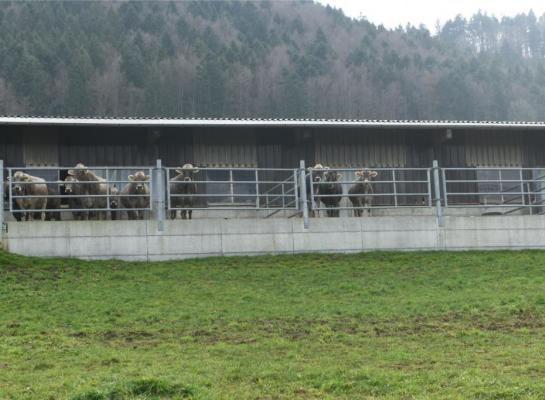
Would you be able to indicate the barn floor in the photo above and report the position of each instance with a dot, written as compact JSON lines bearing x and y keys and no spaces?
{"x":377,"y":325}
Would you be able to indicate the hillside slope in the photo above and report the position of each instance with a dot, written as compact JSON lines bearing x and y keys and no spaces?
{"x":263,"y":59}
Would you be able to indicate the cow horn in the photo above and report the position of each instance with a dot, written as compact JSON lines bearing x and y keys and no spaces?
{"x":373,"y":173}
{"x":131,"y":177}
{"x":359,"y":173}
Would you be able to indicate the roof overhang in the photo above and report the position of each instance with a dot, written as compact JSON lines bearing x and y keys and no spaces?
{"x":271,"y":123}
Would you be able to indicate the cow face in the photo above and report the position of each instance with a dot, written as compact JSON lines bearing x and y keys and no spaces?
{"x":331,"y":177}
{"x":139,"y":180}
{"x":318,"y":172}
{"x":69,"y":182}
{"x":19,"y":186}
{"x":79,"y":172}
{"x":186,"y":172}
{"x":366,"y":175}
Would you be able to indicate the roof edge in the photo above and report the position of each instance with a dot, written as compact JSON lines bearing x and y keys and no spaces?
{"x":256,"y":122}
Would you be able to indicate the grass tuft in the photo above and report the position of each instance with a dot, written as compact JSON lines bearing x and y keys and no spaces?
{"x":156,"y":387}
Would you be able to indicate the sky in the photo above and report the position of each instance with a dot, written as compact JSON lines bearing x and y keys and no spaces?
{"x":392,"y":13}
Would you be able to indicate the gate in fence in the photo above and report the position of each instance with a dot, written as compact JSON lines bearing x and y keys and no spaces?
{"x":141,"y":192}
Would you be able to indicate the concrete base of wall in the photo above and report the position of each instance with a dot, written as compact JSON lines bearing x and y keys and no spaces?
{"x":140,"y":240}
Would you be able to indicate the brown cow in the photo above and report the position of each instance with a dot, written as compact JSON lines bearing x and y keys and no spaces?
{"x":135,"y":195}
{"x":24,"y":184}
{"x":361,"y":193}
{"x":182,"y":187}
{"x":97,"y":186}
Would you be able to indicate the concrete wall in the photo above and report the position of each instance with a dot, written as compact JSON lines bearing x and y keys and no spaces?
{"x":140,"y":240}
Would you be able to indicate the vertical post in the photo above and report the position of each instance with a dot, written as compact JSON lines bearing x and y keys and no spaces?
{"x":502,"y":199}
{"x":231,"y":186}
{"x":295,"y":185}
{"x":428,"y":177}
{"x":437,"y":187}
{"x":256,"y":190}
{"x":107,"y":194}
{"x":2,"y":198}
{"x":303,"y":193}
{"x":158,"y":195}
{"x":395,"y":189}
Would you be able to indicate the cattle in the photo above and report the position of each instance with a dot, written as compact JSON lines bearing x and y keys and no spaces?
{"x":182,"y":189}
{"x":14,"y":206}
{"x":89,"y":184}
{"x":53,"y":202}
{"x":24,"y":184}
{"x":331,"y":191}
{"x":114,"y":203}
{"x":74,"y":191}
{"x":317,"y":176}
{"x":361,"y":193}
{"x":135,"y":195}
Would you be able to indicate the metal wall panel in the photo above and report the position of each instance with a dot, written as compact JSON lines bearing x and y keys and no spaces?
{"x":98,"y":147}
{"x":218,"y":148}
{"x":357,"y":148}
{"x":41,"y":148}
{"x":11,"y":149}
{"x":494,"y":149}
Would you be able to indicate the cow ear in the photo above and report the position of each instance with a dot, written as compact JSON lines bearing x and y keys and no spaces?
{"x":147,"y":177}
{"x":70,"y":172}
{"x":179,"y":170}
{"x":131,"y":177}
{"x":195,"y":170}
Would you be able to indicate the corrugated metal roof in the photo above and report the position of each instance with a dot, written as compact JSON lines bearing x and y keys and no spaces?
{"x":263,"y":122}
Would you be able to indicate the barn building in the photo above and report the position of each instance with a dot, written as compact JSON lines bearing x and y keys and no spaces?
{"x":486,"y":167}
{"x":267,"y":143}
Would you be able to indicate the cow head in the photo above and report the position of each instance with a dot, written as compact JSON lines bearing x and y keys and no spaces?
{"x":318,"y":172}
{"x":187,"y":172}
{"x":19,"y":179}
{"x":331,"y":177}
{"x":79,"y":172}
{"x":139,"y":180}
{"x":69,"y":182}
{"x":365,"y":175}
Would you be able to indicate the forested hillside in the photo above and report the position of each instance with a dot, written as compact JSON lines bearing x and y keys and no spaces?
{"x":263,"y":59}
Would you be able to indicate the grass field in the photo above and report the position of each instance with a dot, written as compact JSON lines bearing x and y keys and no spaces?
{"x":378,"y":325}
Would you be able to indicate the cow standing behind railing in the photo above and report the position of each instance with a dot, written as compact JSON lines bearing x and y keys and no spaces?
{"x":361,"y":193}
{"x":182,"y":188}
{"x":91,"y":185}
{"x":330,"y":192}
{"x":24,"y":184}
{"x":135,"y":195}
{"x":314,"y":177}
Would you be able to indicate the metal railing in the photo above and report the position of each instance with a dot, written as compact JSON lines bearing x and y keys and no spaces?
{"x":391,"y":188}
{"x":269,"y":191}
{"x":242,"y":189}
{"x":98,"y":198}
{"x":512,"y":189}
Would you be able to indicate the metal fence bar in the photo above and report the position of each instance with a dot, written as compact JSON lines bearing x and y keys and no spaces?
{"x":394,"y":188}
{"x":303,"y":192}
{"x":437,"y":186}
{"x":257,"y":190}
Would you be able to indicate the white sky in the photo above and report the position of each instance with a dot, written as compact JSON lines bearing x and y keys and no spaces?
{"x":392,"y":13}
